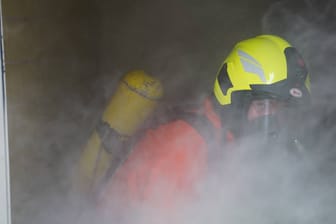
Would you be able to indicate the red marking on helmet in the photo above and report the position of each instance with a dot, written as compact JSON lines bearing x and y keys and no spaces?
{"x":295,"y":92}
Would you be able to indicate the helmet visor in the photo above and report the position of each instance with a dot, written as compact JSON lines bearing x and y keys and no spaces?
{"x":272,"y":120}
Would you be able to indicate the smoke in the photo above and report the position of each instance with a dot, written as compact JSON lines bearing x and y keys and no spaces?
{"x":245,"y":186}
{"x":310,"y":26}
{"x":242,"y":186}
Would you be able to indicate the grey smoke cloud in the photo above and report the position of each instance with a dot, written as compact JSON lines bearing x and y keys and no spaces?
{"x":244,"y":186}
{"x":309,"y":25}
{"x":241,"y":187}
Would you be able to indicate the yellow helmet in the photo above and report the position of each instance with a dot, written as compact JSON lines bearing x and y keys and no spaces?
{"x":264,"y":66}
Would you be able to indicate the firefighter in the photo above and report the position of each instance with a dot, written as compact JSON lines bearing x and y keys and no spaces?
{"x":260,"y":85}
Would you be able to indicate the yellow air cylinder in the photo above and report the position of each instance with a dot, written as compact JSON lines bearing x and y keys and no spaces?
{"x":135,"y":98}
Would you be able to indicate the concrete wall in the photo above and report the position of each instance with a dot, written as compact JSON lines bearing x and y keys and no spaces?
{"x":51,"y":59}
{"x":177,"y":41}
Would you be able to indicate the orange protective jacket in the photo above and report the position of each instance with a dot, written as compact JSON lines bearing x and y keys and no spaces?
{"x":164,"y":166}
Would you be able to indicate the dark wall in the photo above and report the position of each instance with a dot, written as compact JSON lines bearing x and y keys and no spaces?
{"x":51,"y":61}
{"x":178,"y":41}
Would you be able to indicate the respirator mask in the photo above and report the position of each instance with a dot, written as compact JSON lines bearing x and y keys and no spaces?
{"x":273,"y":123}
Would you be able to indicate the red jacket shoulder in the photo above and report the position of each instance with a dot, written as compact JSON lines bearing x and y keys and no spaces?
{"x":167,"y":161}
